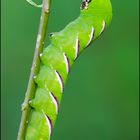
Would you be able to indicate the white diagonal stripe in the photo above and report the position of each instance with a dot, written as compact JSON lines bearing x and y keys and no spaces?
{"x":91,"y":36}
{"x":76,"y":48}
{"x":103,"y":26}
{"x":59,"y":80}
{"x":66,"y":63}
{"x":55,"y":102}
{"x":48,"y":124}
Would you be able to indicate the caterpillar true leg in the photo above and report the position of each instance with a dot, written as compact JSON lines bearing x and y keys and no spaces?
{"x":56,"y":62}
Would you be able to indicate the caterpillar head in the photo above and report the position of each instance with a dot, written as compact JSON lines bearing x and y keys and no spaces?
{"x":84,"y":4}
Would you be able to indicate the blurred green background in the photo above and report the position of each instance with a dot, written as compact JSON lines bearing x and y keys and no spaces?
{"x":101,"y":95}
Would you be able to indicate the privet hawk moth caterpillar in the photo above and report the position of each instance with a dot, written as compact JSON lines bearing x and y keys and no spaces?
{"x":56,"y":61}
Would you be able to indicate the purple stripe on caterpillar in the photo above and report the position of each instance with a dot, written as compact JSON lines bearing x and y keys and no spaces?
{"x":60,"y":81}
{"x":66,"y":62}
{"x":55,"y":101}
{"x":49,"y":122}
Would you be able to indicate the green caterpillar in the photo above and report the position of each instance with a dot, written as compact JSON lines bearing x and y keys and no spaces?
{"x":56,"y":61}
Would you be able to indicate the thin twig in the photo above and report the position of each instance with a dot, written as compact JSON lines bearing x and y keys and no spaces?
{"x":34,"y":70}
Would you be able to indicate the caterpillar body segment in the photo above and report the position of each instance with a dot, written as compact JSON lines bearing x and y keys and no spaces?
{"x":40,"y":127}
{"x":56,"y":62}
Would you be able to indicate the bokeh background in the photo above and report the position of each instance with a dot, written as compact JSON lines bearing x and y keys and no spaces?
{"x":101,"y":96}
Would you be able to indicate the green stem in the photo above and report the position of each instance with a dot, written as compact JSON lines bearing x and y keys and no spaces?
{"x":34,"y":70}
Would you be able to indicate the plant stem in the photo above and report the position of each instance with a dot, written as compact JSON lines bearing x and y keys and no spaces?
{"x":34,"y":70}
